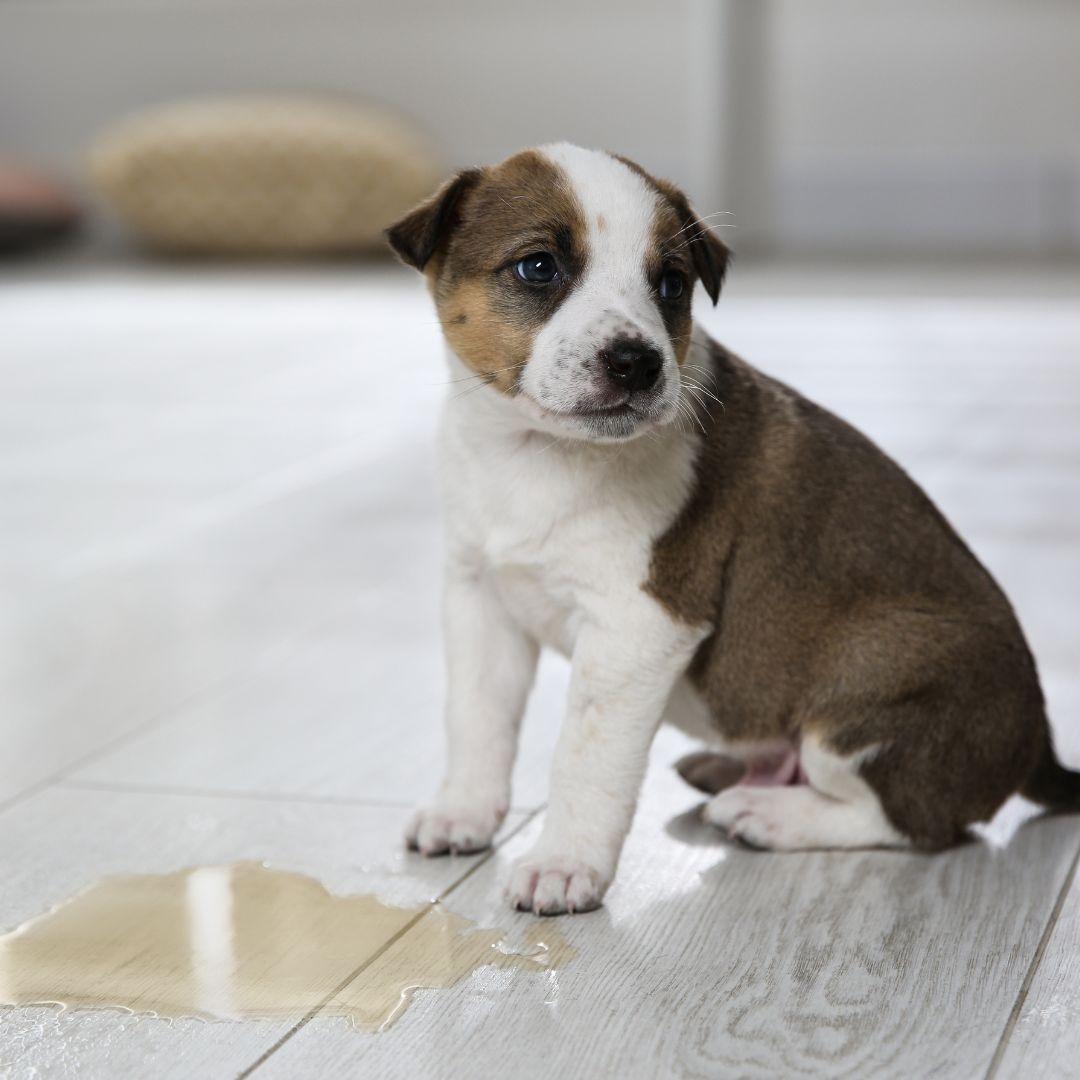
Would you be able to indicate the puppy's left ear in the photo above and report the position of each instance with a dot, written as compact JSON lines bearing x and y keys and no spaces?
{"x":418,"y":235}
{"x":711,"y":257}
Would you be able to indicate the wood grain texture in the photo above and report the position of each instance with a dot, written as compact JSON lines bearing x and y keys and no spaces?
{"x":709,"y":960}
{"x":61,"y":841}
{"x":1045,"y":1040}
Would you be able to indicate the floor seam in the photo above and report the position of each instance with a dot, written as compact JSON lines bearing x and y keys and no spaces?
{"x":1033,"y":967}
{"x":225,"y":686}
{"x":115,"y":743}
{"x":127,"y":788}
{"x":122,"y":787}
{"x":386,"y":945}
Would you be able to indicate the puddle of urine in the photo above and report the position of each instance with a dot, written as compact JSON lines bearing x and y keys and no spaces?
{"x":231,"y":942}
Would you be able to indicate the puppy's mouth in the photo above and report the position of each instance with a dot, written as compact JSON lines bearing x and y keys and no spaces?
{"x":609,"y":422}
{"x":623,"y":408}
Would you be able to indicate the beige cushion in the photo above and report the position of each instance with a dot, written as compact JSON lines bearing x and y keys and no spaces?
{"x":263,"y":175}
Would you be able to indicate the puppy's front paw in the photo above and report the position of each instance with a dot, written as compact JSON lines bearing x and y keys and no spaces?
{"x":455,"y":826}
{"x":548,"y":885}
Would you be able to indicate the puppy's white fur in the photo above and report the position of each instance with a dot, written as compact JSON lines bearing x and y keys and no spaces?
{"x":835,"y":808}
{"x":613,"y":299}
{"x":549,"y":542}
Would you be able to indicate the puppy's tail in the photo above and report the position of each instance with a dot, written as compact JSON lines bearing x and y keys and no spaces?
{"x":1051,"y":784}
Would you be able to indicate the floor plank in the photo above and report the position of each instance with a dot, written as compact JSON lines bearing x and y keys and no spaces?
{"x":273,"y":734}
{"x":90,"y":666}
{"x":62,"y":840}
{"x":709,"y":960}
{"x":1045,"y":1040}
{"x":172,"y":488}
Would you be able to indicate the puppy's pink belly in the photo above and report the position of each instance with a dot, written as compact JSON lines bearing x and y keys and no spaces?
{"x":774,"y":770}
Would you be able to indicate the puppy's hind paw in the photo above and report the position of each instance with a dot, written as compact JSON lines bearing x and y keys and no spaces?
{"x":772,"y":819}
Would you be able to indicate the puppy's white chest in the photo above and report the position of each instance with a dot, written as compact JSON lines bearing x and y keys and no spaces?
{"x":540,"y":603}
{"x":535,"y":551}
{"x":564,"y":530}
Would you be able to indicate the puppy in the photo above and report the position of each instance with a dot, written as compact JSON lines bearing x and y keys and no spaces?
{"x":706,"y":545}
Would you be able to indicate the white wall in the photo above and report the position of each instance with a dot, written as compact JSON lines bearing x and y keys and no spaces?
{"x":926,"y":123}
{"x":880,"y":125}
{"x":485,"y":77}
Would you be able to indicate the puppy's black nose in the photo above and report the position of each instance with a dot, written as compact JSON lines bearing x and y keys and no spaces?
{"x":632,"y":365}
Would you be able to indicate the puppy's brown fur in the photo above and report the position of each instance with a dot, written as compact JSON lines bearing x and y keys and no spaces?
{"x":468,"y":235}
{"x":842,"y":603}
{"x":845,"y":605}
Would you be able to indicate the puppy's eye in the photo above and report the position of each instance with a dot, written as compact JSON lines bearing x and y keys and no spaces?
{"x":539,"y":268}
{"x":671,"y":285}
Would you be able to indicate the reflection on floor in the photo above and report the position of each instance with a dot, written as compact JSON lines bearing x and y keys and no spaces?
{"x":219,"y":555}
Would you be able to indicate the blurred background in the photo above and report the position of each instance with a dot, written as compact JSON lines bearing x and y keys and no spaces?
{"x":847,"y":127}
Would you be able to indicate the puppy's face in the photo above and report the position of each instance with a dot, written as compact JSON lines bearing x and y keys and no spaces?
{"x":563,"y":278}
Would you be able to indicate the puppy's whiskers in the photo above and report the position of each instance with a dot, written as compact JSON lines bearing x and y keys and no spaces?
{"x":683,"y":407}
{"x":694,"y":386}
{"x":485,"y":375}
{"x":698,"y":223}
{"x":481,"y":379}
{"x":703,"y":231}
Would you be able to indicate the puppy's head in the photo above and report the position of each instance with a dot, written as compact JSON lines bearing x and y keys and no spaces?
{"x":563,"y":279}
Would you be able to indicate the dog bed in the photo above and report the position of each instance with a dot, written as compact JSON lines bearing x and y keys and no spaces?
{"x":274,"y":176}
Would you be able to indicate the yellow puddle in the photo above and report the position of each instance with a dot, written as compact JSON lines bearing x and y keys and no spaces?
{"x":228,"y":942}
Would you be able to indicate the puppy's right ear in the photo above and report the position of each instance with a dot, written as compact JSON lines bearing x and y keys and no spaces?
{"x":417,"y":236}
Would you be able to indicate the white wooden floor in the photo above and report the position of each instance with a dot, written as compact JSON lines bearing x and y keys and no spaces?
{"x":218,"y":592}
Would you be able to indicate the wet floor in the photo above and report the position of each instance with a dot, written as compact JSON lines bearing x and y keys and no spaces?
{"x":238,"y":941}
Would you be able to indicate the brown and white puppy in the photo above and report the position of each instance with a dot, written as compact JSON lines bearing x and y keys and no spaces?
{"x":706,"y":545}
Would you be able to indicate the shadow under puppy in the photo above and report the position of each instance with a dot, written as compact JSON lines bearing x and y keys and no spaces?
{"x":706,"y":545}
